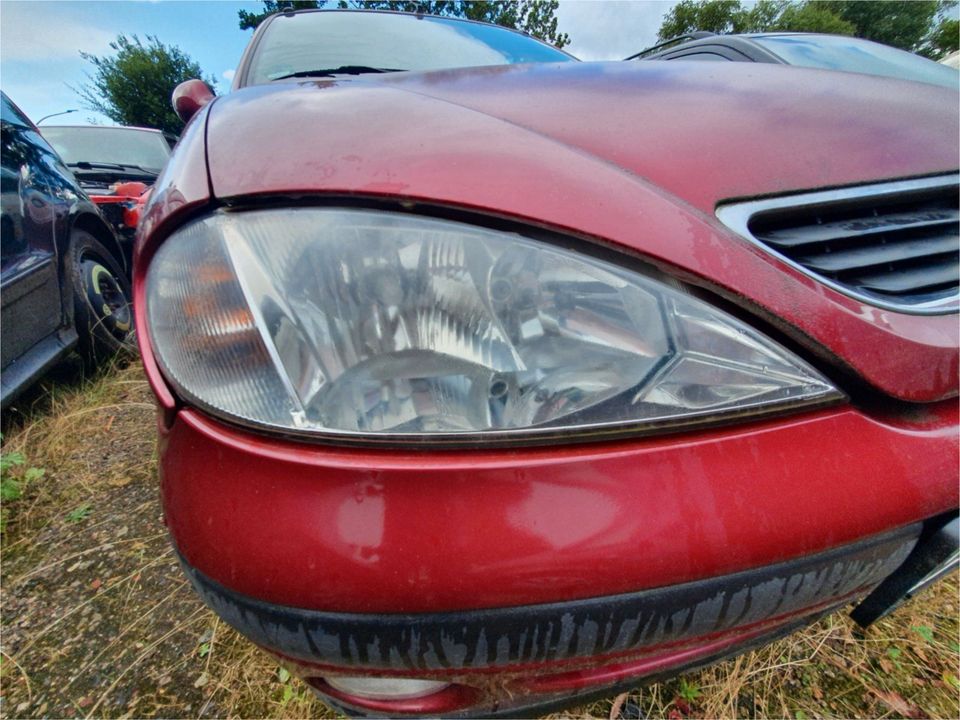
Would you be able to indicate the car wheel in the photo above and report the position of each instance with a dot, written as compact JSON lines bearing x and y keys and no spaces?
{"x":101,"y":299}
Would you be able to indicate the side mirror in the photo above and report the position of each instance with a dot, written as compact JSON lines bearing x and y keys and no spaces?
{"x":189,"y":97}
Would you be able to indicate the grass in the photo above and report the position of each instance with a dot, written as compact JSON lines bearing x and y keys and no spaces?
{"x":98,"y":620}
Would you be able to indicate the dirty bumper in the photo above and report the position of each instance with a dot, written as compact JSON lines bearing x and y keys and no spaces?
{"x":544,"y":639}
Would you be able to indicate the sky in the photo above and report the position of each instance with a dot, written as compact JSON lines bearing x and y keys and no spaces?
{"x":41,"y":40}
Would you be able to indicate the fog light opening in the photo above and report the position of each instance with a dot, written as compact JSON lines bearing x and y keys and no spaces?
{"x":385,"y":688}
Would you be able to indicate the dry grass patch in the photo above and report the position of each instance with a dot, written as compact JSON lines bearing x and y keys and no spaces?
{"x":99,"y":621}
{"x":905,"y":666}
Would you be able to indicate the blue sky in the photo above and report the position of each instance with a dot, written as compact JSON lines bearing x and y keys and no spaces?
{"x":40,"y":40}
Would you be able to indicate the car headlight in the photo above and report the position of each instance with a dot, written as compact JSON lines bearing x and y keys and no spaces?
{"x":377,"y":325}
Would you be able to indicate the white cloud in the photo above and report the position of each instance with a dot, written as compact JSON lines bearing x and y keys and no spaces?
{"x":611,"y":29}
{"x":228,"y":75}
{"x":29,"y":34}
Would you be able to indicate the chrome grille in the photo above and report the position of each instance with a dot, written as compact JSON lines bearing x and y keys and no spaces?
{"x":894,"y":245}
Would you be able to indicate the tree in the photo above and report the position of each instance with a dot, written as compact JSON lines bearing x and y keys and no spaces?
{"x":899,"y":23}
{"x":534,"y":17}
{"x":249,"y":20}
{"x":812,"y":17}
{"x":913,"y":25}
{"x":717,"y":16}
{"x":133,"y":87}
{"x":944,"y":40}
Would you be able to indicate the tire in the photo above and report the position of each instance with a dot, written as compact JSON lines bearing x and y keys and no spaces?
{"x":102,"y":311}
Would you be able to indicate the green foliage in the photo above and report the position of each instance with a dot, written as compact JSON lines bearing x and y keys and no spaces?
{"x":762,"y":16}
{"x":79,"y":513}
{"x":13,"y":480}
{"x":133,"y":86}
{"x":812,"y":17}
{"x":894,"y":653}
{"x":534,"y":17}
{"x":718,"y":16}
{"x":944,"y":39}
{"x":924,"y":632}
{"x":689,"y":690}
{"x":900,"y":23}
{"x":249,"y":20}
{"x":915,"y":25}
{"x":9,"y":461}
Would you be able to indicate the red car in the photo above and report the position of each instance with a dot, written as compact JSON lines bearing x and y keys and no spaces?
{"x":508,"y":380}
{"x":116,"y":166}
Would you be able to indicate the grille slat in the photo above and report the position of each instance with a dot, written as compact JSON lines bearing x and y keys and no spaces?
{"x":893,"y":245}
{"x":861,"y":228}
{"x":945,"y":274}
{"x":861,"y":257}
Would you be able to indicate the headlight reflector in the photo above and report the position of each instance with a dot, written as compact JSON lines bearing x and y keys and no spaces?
{"x":355,"y":323}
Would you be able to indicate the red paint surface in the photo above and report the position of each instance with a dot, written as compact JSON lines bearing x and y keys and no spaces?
{"x":631,"y":154}
{"x":132,"y":195}
{"x":381,"y":531}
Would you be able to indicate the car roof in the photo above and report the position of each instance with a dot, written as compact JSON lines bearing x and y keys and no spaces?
{"x":743,"y":42}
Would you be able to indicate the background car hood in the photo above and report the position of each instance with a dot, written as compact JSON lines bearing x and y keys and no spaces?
{"x":636,"y":155}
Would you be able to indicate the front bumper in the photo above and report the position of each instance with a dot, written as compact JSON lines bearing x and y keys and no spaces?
{"x":508,"y":660}
{"x":523,"y":576}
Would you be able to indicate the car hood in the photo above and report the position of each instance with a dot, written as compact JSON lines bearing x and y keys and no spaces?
{"x":633,"y":154}
{"x":704,"y":132}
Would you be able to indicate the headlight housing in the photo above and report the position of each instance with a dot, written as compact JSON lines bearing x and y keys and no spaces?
{"x":358,"y":324}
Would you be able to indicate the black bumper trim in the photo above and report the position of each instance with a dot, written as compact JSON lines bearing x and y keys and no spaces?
{"x":504,"y":637}
{"x":933,"y":557}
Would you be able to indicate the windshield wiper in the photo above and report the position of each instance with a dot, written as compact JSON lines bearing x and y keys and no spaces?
{"x":86,"y":165}
{"x":342,"y":70}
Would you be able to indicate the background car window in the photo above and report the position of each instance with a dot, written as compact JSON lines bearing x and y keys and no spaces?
{"x":322,"y":40}
{"x":833,"y":52}
{"x":10,"y":114}
{"x":109,"y":145}
{"x":704,"y":56}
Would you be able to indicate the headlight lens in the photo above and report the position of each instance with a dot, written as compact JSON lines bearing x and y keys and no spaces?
{"x":379,"y":325}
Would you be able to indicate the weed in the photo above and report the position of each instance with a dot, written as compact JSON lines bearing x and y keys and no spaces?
{"x":689,"y":690}
{"x":14,"y":478}
{"x":79,"y":513}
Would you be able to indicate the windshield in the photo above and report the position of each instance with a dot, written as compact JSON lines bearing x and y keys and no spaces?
{"x":315,"y":41}
{"x":833,"y":52}
{"x":123,"y":146}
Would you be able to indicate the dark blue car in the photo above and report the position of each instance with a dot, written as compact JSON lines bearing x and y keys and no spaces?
{"x":63,"y":285}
